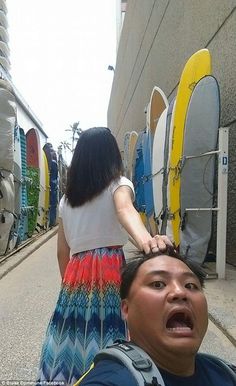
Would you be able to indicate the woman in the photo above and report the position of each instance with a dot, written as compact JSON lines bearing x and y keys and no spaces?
{"x":96,"y":215}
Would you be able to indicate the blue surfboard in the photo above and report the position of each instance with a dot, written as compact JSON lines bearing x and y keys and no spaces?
{"x":23,"y":228}
{"x":138,"y":174}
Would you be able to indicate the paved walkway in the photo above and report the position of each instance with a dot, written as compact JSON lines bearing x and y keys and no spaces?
{"x":221,"y":294}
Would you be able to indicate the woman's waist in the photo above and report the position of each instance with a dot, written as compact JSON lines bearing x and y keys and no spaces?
{"x":81,"y":245}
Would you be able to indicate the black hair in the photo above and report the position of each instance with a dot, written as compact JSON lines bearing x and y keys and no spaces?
{"x":130,"y":270}
{"x":96,"y":162}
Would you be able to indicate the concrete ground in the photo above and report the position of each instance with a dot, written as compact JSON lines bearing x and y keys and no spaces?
{"x":28,"y":291}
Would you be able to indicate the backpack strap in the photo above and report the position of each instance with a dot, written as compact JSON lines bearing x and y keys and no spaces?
{"x":136,"y":360}
{"x":227,"y":366}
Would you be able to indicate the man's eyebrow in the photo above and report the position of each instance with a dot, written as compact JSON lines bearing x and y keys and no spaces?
{"x":169,"y":273}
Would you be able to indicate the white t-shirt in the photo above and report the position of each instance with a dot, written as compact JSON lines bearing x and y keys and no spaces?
{"x":94,"y":224}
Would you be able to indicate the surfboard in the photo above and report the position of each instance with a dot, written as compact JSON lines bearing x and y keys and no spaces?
{"x":4,"y":50}
{"x":47,"y":192}
{"x":3,"y":6}
{"x":7,"y":124}
{"x":17,"y":189}
{"x":4,"y":34}
{"x":197,"y":175}
{"x":197,"y":66}
{"x":147,"y":181}
{"x":158,"y":167}
{"x":53,"y":213}
{"x":62,"y":174}
{"x":157,"y":104}
{"x":54,"y":183}
{"x":23,"y":228}
{"x":3,"y":18}
{"x":138,"y":174}
{"x":33,"y":177}
{"x":126,"y":152}
{"x":42,"y":190}
{"x":130,"y":140}
{"x":166,"y":227}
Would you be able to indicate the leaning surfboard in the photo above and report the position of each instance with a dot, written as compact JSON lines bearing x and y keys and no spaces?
{"x":158,"y":166}
{"x":53,"y":213}
{"x":14,"y":238}
{"x":158,"y":103}
{"x":166,"y":227}
{"x":7,"y":124}
{"x":198,"y":65}
{"x":33,"y":177}
{"x":42,"y":190}
{"x":126,"y":152}
{"x":53,"y":182}
{"x":198,"y":169}
{"x":47,"y":192}
{"x":23,"y":228}
{"x":138,"y":176}
{"x":132,"y":142}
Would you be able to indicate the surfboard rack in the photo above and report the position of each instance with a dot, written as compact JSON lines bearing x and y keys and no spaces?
{"x":221,"y":209}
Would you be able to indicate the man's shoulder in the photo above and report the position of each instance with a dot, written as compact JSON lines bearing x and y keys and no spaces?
{"x":220,"y":367}
{"x":108,"y":373}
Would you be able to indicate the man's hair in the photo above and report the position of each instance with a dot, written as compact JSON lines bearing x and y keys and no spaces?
{"x":130,"y":270}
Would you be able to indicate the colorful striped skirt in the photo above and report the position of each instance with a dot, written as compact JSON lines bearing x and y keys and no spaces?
{"x":87,"y":315}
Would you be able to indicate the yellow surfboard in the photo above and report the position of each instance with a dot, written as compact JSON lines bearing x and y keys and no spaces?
{"x":197,"y":66}
{"x":47,"y":192}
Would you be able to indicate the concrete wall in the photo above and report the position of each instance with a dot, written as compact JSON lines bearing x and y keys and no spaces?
{"x":26,"y":122}
{"x":158,"y":37}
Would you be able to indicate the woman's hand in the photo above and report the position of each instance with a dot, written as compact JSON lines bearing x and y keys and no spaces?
{"x":157,"y":243}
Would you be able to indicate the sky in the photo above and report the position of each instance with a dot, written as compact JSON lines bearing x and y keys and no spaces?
{"x":60,"y":53}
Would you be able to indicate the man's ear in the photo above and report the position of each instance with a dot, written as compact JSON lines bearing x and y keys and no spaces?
{"x":124,"y":308}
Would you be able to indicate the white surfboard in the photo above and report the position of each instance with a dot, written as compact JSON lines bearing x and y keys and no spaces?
{"x":166,"y":220}
{"x":158,"y":166}
{"x":7,"y":124}
{"x":17,"y":189}
{"x":126,"y":153}
{"x":42,"y":189}
{"x":129,"y":147}
{"x":3,"y":18}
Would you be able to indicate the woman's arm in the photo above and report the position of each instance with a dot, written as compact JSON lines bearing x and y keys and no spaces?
{"x":131,"y":221}
{"x":63,"y":250}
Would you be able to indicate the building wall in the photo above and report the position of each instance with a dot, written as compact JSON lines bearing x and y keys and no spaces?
{"x":27,"y":123}
{"x":157,"y":38}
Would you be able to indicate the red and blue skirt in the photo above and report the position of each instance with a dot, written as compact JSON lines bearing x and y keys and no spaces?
{"x":87,"y":315}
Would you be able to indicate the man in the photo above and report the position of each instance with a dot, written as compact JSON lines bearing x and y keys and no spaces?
{"x":166,"y":312}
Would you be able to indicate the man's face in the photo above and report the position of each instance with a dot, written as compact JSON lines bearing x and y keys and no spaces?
{"x":166,"y":307}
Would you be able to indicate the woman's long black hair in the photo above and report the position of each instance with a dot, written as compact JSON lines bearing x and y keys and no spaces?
{"x":96,"y":162}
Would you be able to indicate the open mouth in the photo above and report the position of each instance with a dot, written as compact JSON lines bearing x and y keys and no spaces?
{"x":179,"y":320}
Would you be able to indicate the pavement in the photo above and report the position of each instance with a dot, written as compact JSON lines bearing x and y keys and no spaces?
{"x":15,"y":258}
{"x":220,"y":293}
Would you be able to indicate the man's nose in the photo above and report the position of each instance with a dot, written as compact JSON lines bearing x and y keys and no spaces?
{"x":177,"y":292}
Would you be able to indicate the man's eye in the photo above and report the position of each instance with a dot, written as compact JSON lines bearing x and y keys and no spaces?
{"x":158,"y":284}
{"x":192,"y":286}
